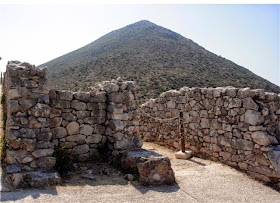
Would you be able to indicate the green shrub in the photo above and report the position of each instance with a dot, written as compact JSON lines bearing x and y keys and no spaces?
{"x":63,"y":161}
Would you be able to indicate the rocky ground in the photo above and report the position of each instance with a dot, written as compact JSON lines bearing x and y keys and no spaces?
{"x":198,"y":180}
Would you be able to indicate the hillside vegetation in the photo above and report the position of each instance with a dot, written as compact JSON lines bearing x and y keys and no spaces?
{"x":156,"y":58}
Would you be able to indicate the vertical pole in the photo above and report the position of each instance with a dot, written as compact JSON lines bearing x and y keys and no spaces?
{"x":181,"y":130}
{"x":1,"y":79}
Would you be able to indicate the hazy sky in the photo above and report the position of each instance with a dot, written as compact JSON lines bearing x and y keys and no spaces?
{"x":245,"y":34}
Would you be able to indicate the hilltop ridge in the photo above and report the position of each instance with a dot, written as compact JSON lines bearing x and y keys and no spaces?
{"x":157,"y":58}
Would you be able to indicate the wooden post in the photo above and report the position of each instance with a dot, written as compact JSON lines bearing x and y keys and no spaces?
{"x":181,"y":129}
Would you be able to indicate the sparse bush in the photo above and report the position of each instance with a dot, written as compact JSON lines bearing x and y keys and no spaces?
{"x":63,"y":161}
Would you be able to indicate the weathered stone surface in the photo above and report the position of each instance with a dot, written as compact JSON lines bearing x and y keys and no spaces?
{"x":152,"y":168}
{"x":68,"y":117}
{"x":117,"y":125}
{"x":46,"y":163}
{"x":274,"y":158}
{"x":249,"y":103}
{"x":86,"y":130}
{"x":80,"y":149}
{"x":13,"y":168}
{"x":115,"y":109}
{"x":262,"y":138}
{"x":55,"y":122}
{"x":26,"y":104}
{"x":73,"y":128}
{"x":124,"y":144}
{"x":65,"y":95}
{"x":99,"y":97}
{"x":40,"y":110}
{"x":42,"y":153}
{"x":75,"y":138}
{"x":244,"y":144}
{"x":253,"y":117}
{"x":94,"y":138}
{"x":111,"y":87}
{"x":116,"y":97}
{"x":80,"y":106}
{"x":38,"y":179}
{"x":82,"y":114}
{"x":59,"y":132}
{"x":17,"y":180}
{"x":82,"y":96}
{"x":94,"y":120}
{"x":55,"y":112}
{"x":60,"y":104}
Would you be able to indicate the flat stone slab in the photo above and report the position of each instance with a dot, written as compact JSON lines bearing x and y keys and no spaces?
{"x":152,"y":168}
{"x":183,"y":155}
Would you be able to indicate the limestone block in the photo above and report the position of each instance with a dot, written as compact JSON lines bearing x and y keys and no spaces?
{"x":46,"y":163}
{"x":59,"y":132}
{"x":65,"y":95}
{"x":77,"y":105}
{"x":82,"y":114}
{"x":99,"y":97}
{"x":262,"y":138}
{"x":94,"y":138}
{"x":73,"y":128}
{"x":86,"y":130}
{"x":75,"y":138}
{"x":82,"y":96}
{"x":253,"y":117}
{"x":60,"y":104}
{"x":42,"y":153}
{"x":183,"y":155}
{"x":68,"y":117}
{"x":111,"y":87}
{"x":249,"y":103}
{"x":54,"y":112}
{"x":80,"y":149}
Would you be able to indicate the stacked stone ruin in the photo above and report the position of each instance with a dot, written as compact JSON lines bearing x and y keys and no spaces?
{"x":83,"y":123}
{"x":238,"y":127}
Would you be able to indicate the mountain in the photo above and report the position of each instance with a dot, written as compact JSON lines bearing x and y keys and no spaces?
{"x":157,"y":58}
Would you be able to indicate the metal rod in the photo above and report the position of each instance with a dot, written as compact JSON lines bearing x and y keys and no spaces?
{"x":181,"y":130}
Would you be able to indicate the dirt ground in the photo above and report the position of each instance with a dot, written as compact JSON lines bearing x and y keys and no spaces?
{"x":198,"y":180}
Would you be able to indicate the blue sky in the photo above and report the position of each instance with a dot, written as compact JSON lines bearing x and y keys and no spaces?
{"x":245,"y":34}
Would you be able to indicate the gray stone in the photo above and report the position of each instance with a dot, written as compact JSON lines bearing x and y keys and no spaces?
{"x":38,"y":179}
{"x":46,"y":163}
{"x":75,"y":138}
{"x":249,"y":103}
{"x":115,"y":109}
{"x":80,"y":149}
{"x":59,"y":132}
{"x":274,"y":158}
{"x":65,"y":95}
{"x":82,"y":114}
{"x":82,"y":96}
{"x":124,"y":144}
{"x":26,"y":104}
{"x":77,"y":105}
{"x":116,"y":97}
{"x":40,"y":110}
{"x":262,"y":138}
{"x":94,"y":138}
{"x":235,"y":103}
{"x":99,"y":97}
{"x":117,"y":125}
{"x":111,"y":87}
{"x":244,"y":144}
{"x":60,"y":104}
{"x":253,"y":117}
{"x":94,"y":120}
{"x":73,"y":128}
{"x":54,"y":112}
{"x":68,"y":117}
{"x":13,"y":168}
{"x":42,"y":153}
{"x":55,"y":122}
{"x":17,"y":180}
{"x":86,"y":130}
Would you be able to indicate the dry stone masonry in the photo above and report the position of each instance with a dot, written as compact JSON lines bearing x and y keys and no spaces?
{"x":39,"y":119}
{"x":238,"y":127}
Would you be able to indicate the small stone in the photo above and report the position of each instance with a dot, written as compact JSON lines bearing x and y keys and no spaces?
{"x":13,"y":169}
{"x":253,"y":117}
{"x":94,"y":138}
{"x":80,"y":149}
{"x":99,"y":97}
{"x":262,"y":138}
{"x":111,"y":87}
{"x":80,"y":106}
{"x":183,"y":155}
{"x":86,"y":130}
{"x":249,"y":103}
{"x":59,"y":132}
{"x":65,"y":95}
{"x":82,"y":96}
{"x":17,"y":179}
{"x":73,"y":128}
{"x":42,"y":152}
{"x":68,"y":117}
{"x":75,"y":138}
{"x":129,"y":177}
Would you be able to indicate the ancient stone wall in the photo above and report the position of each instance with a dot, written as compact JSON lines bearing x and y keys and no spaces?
{"x":39,"y":119}
{"x":239,"y":127}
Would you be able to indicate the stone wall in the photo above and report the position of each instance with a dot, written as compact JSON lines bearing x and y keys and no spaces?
{"x":39,"y":119}
{"x":238,"y":127}
{"x":28,"y":136}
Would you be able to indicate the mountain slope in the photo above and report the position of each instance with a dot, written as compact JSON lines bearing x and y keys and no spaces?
{"x":157,"y":58}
